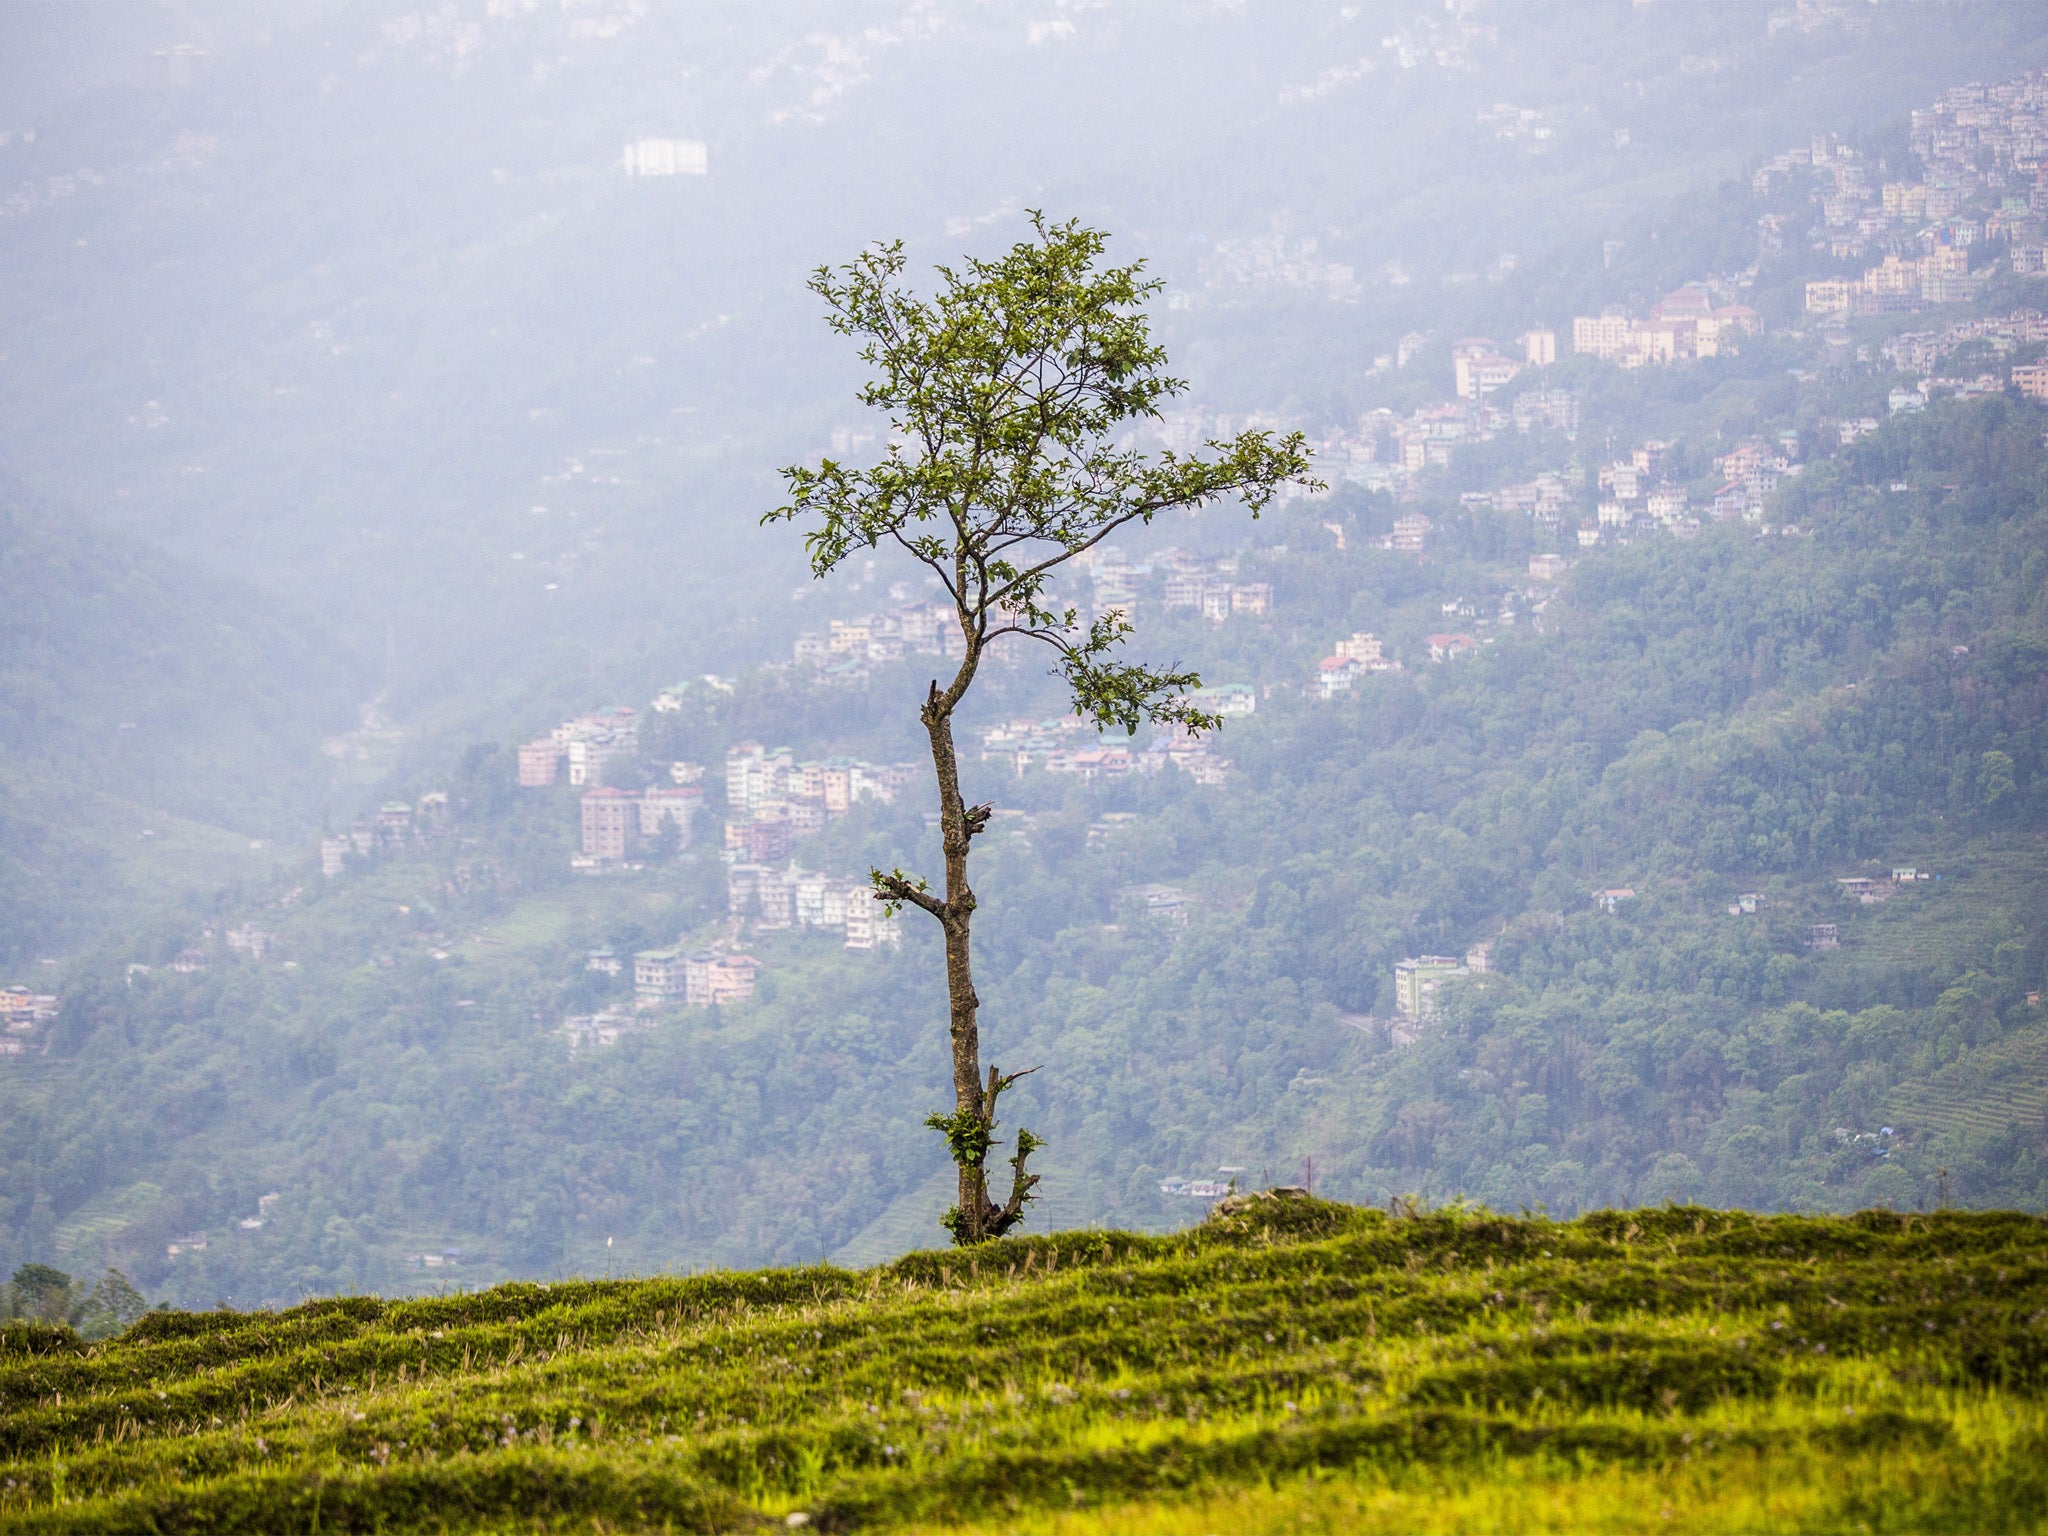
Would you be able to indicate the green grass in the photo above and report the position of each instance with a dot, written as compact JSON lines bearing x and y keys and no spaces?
{"x":1295,"y":1366}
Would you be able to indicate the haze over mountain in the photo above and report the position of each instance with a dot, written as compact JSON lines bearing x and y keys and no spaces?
{"x":382,"y":388}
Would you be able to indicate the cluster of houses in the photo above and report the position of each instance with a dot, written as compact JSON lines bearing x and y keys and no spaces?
{"x":1349,"y":661}
{"x":1940,"y":276}
{"x":1870,"y":891}
{"x":393,"y":825}
{"x":22,"y":1013}
{"x":1683,"y":325}
{"x":776,"y":898}
{"x":845,"y":648}
{"x":661,"y":977}
{"x":584,"y":745}
{"x":1639,"y":494}
{"x":1177,"y":578}
{"x":1981,"y":149}
{"x":771,"y":799}
{"x":1544,"y":498}
{"x":1382,"y":451}
{"x":1275,"y":260}
{"x":1072,"y":745}
{"x":1751,"y":471}
{"x":1923,"y":352}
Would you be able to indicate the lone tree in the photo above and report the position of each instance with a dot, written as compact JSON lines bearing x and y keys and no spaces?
{"x":1005,"y":391}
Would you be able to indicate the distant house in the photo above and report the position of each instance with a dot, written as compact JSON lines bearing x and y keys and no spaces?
{"x":1336,"y":674}
{"x":1548,"y":567}
{"x":1416,"y":982}
{"x":1823,"y":936}
{"x":1444,"y":647}
{"x":1229,"y":699}
{"x":1167,"y":902}
{"x":588,"y":1031}
{"x":1410,"y":533}
{"x":1611,"y":900}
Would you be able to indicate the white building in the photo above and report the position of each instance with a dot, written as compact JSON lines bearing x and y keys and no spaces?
{"x":667,"y":157}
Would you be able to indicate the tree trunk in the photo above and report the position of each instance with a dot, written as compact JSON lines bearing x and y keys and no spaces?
{"x":970,"y":1130}
{"x":957,"y":923}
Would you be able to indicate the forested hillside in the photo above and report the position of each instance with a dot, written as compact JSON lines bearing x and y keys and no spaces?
{"x":1856,"y":685}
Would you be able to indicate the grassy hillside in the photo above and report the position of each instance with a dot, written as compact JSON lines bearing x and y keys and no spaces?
{"x":1291,"y":1365}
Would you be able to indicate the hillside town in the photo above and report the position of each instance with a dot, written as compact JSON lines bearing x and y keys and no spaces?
{"x":1975,"y":202}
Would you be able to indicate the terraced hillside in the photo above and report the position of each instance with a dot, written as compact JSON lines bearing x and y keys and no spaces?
{"x":1290,"y":1364}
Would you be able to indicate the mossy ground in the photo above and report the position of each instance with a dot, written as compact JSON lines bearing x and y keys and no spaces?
{"x":1297,"y":1366}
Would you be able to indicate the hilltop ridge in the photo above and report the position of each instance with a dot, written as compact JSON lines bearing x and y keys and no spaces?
{"x":1290,"y":1361}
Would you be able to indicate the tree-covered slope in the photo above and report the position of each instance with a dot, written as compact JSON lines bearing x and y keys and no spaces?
{"x":1289,"y":1365}
{"x":1753,"y":711}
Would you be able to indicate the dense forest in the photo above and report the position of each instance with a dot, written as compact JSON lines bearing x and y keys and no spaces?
{"x":1858,"y":684}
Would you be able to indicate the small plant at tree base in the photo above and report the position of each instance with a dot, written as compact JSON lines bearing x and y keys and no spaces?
{"x":1003,"y":391}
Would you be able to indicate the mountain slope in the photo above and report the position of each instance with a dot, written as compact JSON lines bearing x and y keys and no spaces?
{"x":126,"y":673}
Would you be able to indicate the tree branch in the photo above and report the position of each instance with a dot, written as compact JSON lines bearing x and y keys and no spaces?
{"x":896,"y":888}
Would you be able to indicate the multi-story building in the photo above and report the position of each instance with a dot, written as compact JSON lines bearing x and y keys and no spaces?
{"x":539,"y":762}
{"x":659,"y":974}
{"x":590,"y":741}
{"x":1417,"y":980}
{"x":1410,"y":532}
{"x":1604,"y":335}
{"x":666,"y":157}
{"x":719,"y":980}
{"x":1478,"y":369}
{"x":611,"y":822}
{"x":661,"y":806}
{"x":1252,"y":597}
{"x":1557,"y":409}
{"x":869,"y":927}
{"x":1829,"y":296}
